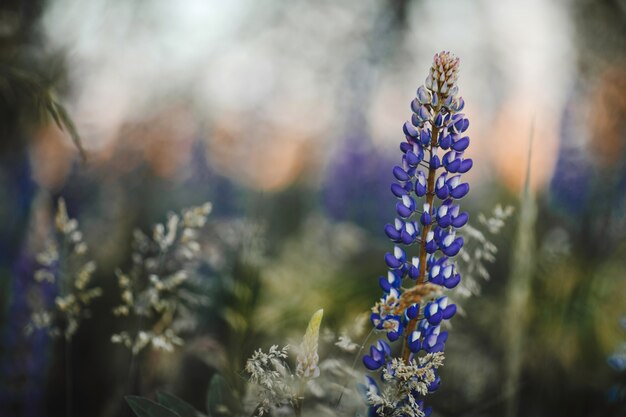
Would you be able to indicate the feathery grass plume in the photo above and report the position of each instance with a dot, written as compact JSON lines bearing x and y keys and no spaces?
{"x":274,"y":384}
{"x":64,"y":263}
{"x":479,"y":250}
{"x":413,"y":306}
{"x":155,"y":292}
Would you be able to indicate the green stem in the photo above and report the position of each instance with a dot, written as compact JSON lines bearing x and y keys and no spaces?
{"x":300,"y":399}
{"x":64,"y":289}
{"x":68,"y":376}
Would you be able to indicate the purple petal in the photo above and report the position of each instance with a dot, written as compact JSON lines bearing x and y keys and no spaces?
{"x":465,"y":125}
{"x":412,"y":311}
{"x":460,"y":190}
{"x":415,"y":105}
{"x":436,"y":318}
{"x":412,"y":159}
{"x":438,"y":120}
{"x":391,"y":261}
{"x":423,"y":95}
{"x":413,"y":272}
{"x":453,"y":281}
{"x":435,"y":99}
{"x":460,"y":220}
{"x":403,"y":211}
{"x":442,"y":193}
{"x":398,"y":190}
{"x":466,"y":165}
{"x":400,"y":174}
{"x":384,"y":347}
{"x":445,"y":141}
{"x":425,"y":137}
{"x":391,"y":232}
{"x":449,"y":311}
{"x":409,"y":130}
{"x":416,"y":120}
{"x":435,"y":162}
{"x":370,"y":363}
{"x":424,"y":114}
{"x":461,"y":144}
{"x":454,"y":247}
{"x":384,"y":284}
{"x":415,"y":345}
{"x":406,"y":238}
{"x":461,"y":125}
{"x":445,"y":221}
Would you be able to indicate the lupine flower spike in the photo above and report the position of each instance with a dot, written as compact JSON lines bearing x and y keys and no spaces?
{"x":427,"y":187}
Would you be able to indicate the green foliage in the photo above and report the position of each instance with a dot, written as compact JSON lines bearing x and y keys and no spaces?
{"x":216,"y":396}
{"x":167,"y":405}
{"x":64,"y":122}
{"x":144,"y":407}
{"x":183,"y":408}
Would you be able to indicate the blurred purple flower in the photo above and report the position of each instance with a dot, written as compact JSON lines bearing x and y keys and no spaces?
{"x":24,"y":360}
{"x":355,"y":183}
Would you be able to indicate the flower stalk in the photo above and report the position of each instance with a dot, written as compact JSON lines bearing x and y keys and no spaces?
{"x":430,"y":194}
{"x":413,"y":306}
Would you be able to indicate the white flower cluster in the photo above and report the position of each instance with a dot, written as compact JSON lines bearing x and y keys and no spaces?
{"x":156,"y":290}
{"x":345,"y":343}
{"x":273,"y":382}
{"x":401,"y":382}
{"x":164,"y":341}
{"x":63,"y":262}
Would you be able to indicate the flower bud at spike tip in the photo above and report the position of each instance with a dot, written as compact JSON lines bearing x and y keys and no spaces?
{"x":308,"y":358}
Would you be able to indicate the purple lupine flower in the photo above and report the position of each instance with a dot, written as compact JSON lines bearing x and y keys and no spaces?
{"x":428,"y":184}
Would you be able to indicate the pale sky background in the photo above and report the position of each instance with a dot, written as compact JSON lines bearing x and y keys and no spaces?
{"x":277,"y":75}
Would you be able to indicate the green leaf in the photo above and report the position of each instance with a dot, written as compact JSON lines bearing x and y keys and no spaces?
{"x":144,"y":407}
{"x":65,"y":119}
{"x":215,"y":396}
{"x":53,"y":112}
{"x":16,"y":82}
{"x":183,"y":408}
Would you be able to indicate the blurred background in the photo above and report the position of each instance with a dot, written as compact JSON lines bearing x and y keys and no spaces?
{"x":287,"y":117}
